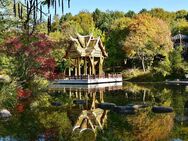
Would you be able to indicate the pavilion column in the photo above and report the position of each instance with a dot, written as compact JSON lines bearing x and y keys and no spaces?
{"x":78,"y":66}
{"x":69,"y":69}
{"x":89,"y":69}
{"x":85,"y":66}
{"x":75,"y":71}
{"x":92,"y":65}
{"x":101,"y":65}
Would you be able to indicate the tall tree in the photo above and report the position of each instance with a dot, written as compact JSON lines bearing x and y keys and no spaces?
{"x":180,"y":25}
{"x":148,"y":36}
{"x":162,"y":14}
{"x":114,"y":43}
{"x":103,"y":20}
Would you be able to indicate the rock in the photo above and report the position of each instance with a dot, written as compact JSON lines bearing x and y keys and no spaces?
{"x":124,"y":110}
{"x":106,"y":106}
{"x":56,"y":103}
{"x":82,"y":102}
{"x":5,"y":78}
{"x":5,"y":113}
{"x":162,"y":109}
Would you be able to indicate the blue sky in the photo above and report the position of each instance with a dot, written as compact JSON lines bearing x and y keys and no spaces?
{"x":125,"y":5}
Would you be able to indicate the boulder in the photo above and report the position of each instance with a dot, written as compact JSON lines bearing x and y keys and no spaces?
{"x":4,"y":113}
{"x":5,"y":78}
{"x":162,"y":109}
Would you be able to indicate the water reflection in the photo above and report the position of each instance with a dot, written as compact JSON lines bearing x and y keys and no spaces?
{"x":72,"y":113}
{"x":85,"y":115}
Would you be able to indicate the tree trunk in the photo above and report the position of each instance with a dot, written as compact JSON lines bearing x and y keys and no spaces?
{"x":143,"y":65}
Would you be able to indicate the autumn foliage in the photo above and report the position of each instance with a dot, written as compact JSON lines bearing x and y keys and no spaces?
{"x":31,"y":55}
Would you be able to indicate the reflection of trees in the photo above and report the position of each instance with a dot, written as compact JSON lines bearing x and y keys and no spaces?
{"x":135,"y":88}
{"x":147,"y":127}
{"x":54,"y":120}
{"x":143,"y":126}
{"x":141,"y":93}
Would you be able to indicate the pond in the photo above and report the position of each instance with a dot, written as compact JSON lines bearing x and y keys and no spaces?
{"x":71,"y":113}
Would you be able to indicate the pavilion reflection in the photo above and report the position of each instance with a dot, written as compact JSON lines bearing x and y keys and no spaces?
{"x":84,"y":113}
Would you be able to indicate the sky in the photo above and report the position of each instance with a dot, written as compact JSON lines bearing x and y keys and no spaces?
{"x":125,"y":5}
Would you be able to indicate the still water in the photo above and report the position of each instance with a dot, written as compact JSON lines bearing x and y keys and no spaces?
{"x":72,"y":113}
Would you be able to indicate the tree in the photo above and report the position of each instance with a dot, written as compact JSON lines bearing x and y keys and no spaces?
{"x":180,"y":25}
{"x":130,"y":14}
{"x":31,"y":56}
{"x":143,"y":11}
{"x":148,"y":36}
{"x":181,"y":14}
{"x":85,"y":20}
{"x":103,"y":20}
{"x":177,"y":64}
{"x":118,"y":33}
{"x":31,"y":12}
{"x":56,"y":24}
{"x":160,"y":13}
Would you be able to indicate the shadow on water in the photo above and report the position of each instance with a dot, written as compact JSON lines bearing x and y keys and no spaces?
{"x":112,"y":112}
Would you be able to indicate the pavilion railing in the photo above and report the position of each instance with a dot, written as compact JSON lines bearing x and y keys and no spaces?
{"x":83,"y":77}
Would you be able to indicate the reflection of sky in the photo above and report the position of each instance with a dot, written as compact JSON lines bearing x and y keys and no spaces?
{"x":8,"y":138}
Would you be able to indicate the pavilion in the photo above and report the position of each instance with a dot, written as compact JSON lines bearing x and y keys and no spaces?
{"x":86,"y":55}
{"x":181,"y":40}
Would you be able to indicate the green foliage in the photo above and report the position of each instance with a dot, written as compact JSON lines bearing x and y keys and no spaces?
{"x":85,"y":20}
{"x":162,"y":14}
{"x":6,"y":65}
{"x":8,"y":95}
{"x":163,"y":68}
{"x":130,"y":14}
{"x":103,"y":20}
{"x":181,"y":14}
{"x":114,"y":43}
{"x":180,"y":25}
{"x":177,"y":64}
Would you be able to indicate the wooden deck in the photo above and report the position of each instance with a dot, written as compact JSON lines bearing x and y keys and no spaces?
{"x":90,"y":79}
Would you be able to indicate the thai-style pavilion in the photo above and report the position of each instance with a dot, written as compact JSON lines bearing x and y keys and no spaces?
{"x":181,"y":40}
{"x":86,"y":55}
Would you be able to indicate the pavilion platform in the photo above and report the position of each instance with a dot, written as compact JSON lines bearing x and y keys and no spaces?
{"x":90,"y":79}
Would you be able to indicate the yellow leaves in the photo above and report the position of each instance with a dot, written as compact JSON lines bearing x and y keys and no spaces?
{"x":147,"y":34}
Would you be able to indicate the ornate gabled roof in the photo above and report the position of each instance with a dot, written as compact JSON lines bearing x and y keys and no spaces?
{"x":86,"y":46}
{"x":180,"y":36}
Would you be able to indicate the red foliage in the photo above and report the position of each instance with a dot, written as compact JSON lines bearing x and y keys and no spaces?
{"x":33,"y":51}
{"x":23,"y":94}
{"x":20,"y":108}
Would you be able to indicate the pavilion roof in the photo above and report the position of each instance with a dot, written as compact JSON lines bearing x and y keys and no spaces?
{"x":180,"y":36}
{"x":86,"y":46}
